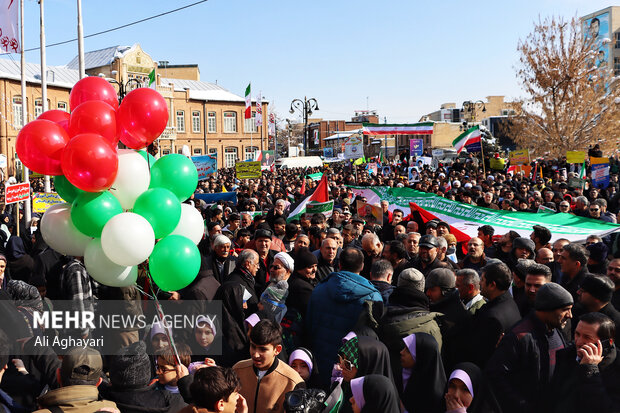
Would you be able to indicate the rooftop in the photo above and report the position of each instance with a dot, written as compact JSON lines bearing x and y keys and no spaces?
{"x":98,"y":58}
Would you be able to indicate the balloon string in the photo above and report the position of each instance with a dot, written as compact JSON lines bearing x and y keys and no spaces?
{"x":160,"y":313}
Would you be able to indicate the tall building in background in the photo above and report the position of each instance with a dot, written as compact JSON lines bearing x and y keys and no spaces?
{"x":202,"y":115}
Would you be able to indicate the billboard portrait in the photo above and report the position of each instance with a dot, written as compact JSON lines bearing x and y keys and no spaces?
{"x":597,"y":29}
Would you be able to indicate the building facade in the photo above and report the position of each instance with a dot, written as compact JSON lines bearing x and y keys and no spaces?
{"x":204,"y":116}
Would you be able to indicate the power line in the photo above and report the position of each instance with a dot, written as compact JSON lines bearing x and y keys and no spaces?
{"x":121,"y":27}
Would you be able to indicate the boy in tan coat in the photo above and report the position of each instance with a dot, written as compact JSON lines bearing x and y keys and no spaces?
{"x":264,"y":379}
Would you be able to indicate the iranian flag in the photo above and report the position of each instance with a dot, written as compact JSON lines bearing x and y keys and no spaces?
{"x":316,"y":203}
{"x":248,"y":102}
{"x":422,"y":128}
{"x":470,"y":139}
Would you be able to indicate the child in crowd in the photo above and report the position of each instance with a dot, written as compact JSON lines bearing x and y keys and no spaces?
{"x":264,"y":379}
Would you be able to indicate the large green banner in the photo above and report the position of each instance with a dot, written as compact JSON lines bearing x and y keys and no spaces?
{"x":467,"y":218}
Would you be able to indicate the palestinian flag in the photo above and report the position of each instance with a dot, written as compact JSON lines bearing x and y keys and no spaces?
{"x":291,"y":197}
{"x":248,"y":102}
{"x":318,"y":202}
{"x":471,"y":139}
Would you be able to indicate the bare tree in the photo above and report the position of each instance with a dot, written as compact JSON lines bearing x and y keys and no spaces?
{"x":572,"y":98}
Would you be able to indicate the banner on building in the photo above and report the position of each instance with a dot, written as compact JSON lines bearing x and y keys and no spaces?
{"x":258,"y":118}
{"x":371,"y":213}
{"x":354,"y":147}
{"x":521,"y":157}
{"x":328,"y":152}
{"x":575,"y":156}
{"x":206,"y":165}
{"x":272,"y":124}
{"x":422,"y":128}
{"x":416,"y":147}
{"x":467,"y":218}
{"x":42,"y":201}
{"x":9,"y":34}
{"x":248,"y":170}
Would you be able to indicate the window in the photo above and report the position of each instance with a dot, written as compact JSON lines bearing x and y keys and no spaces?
{"x":617,"y":45}
{"x":230,"y":122}
{"x":230,"y":157}
{"x":180,"y":121}
{"x":38,"y":107}
{"x":250,"y":152}
{"x":195,"y":121}
{"x":165,"y":151}
{"x":212,"y":122}
{"x":212,"y":151}
{"x":616,"y":66}
{"x":198,"y":151}
{"x":250,"y":124}
{"x":63,"y":106}
{"x":18,"y":114}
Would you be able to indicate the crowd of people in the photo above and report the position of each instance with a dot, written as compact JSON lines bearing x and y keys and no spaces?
{"x":339,"y":314}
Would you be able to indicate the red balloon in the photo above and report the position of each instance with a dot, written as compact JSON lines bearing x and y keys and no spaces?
{"x":92,"y":88}
{"x":90,"y":162}
{"x":40,"y":145}
{"x":141,"y":117}
{"x":54,"y":115}
{"x":94,"y":116}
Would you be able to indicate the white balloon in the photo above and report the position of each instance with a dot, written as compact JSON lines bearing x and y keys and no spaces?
{"x":185,"y":151}
{"x":59,"y":232}
{"x":191,"y":224}
{"x":127,"y":239}
{"x":105,"y":271}
{"x":132,"y":179}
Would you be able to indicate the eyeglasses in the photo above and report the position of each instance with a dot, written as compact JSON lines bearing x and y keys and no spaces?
{"x":564,"y":206}
{"x":594,"y":209}
{"x":160,"y":369}
{"x":346,"y":363}
{"x":614,"y":269}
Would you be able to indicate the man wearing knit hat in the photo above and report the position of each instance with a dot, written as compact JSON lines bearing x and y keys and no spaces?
{"x":595,"y":295}
{"x":524,"y":362}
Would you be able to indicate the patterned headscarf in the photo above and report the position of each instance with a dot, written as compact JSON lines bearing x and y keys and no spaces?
{"x":350,"y":351}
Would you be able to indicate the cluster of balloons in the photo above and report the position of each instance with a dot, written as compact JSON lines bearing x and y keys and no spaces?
{"x":118,"y":201}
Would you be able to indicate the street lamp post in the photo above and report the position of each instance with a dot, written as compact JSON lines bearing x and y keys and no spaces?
{"x":125,"y":87}
{"x":305,"y":107}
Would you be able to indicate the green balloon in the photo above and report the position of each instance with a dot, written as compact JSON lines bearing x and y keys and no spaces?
{"x":150,"y":159}
{"x":176,"y":173}
{"x":90,"y":212}
{"x":66,"y":189}
{"x":160,"y":208}
{"x":174,"y":262}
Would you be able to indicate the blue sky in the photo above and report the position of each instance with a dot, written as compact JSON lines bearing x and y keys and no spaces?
{"x":403,"y":57}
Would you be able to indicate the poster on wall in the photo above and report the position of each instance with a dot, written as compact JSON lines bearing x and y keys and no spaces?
{"x":596,"y":30}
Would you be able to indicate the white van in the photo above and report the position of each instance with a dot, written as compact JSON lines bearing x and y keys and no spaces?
{"x":300,"y":162}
